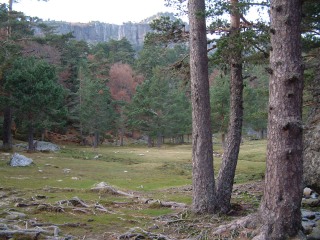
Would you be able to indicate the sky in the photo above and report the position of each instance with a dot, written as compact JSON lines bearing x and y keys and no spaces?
{"x":108,"y":11}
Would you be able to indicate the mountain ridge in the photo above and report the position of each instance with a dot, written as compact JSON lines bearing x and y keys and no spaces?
{"x":95,"y":31}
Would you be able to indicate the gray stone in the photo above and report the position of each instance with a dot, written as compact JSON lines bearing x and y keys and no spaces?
{"x":308,"y":226}
{"x":18,"y":160}
{"x":311,"y":202}
{"x":15,"y":216}
{"x":3,"y":227}
{"x":311,"y":152}
{"x":46,"y":146}
{"x":308,"y":214}
{"x":307,"y":192}
{"x":315,"y":235}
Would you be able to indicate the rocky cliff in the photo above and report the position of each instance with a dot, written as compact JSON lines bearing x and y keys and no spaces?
{"x":95,"y":32}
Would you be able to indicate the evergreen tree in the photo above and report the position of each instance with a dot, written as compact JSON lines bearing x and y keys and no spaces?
{"x":280,"y":208}
{"x":96,"y":110}
{"x":203,"y":183}
{"x":34,"y":94}
{"x":220,"y":105}
{"x":14,"y":27}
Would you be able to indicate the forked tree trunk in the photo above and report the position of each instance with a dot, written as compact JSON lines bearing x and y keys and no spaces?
{"x":202,"y":152}
{"x":280,"y":207}
{"x":233,"y":140}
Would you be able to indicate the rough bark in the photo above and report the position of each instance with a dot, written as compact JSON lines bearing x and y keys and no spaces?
{"x":233,"y":141}
{"x":7,"y":122}
{"x":280,"y":207}
{"x":202,"y":152}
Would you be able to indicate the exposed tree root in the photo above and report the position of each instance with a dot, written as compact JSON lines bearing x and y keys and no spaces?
{"x":247,"y":222}
{"x":139,"y":233}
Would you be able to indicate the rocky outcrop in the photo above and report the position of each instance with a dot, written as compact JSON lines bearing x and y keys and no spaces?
{"x":40,"y":146}
{"x":18,"y":160}
{"x":311,"y":140}
{"x":95,"y":32}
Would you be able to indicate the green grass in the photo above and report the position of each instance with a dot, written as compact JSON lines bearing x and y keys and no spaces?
{"x":148,"y":172}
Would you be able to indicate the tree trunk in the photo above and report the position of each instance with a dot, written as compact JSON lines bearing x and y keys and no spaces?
{"x":149,"y":141}
{"x":202,"y":152}
{"x":10,"y":5}
{"x":280,"y":207}
{"x":159,"y":140}
{"x":31,"y":145}
{"x":262,"y":133}
{"x":96,"y":139}
{"x":7,"y":123}
{"x":223,"y":140}
{"x":233,"y":141}
{"x":121,"y":136}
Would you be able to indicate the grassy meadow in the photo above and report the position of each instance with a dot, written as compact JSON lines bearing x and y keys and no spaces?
{"x":153,"y":173}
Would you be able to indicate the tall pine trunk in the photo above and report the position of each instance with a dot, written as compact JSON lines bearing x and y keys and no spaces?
{"x":202,"y":153}
{"x":233,"y":140}
{"x":280,"y":207}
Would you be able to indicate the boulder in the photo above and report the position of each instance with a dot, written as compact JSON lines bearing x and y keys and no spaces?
{"x":40,"y":146}
{"x":307,"y":192}
{"x":46,"y":146}
{"x":311,"y":156}
{"x":315,"y":234}
{"x":18,"y":160}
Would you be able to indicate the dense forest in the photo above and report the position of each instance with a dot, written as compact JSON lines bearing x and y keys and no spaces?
{"x":108,"y":90}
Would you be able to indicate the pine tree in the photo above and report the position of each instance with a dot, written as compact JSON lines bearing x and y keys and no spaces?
{"x":34,"y":94}
{"x":280,"y":208}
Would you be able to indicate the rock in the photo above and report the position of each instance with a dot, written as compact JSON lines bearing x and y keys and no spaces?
{"x":315,"y":235}
{"x":308,"y":214}
{"x":95,"y":32}
{"x":41,"y":146}
{"x":66,"y":170}
{"x":311,"y":202}
{"x":100,"y":185}
{"x":3,"y":227}
{"x":18,"y":160}
{"x":311,"y":152}
{"x":46,"y":146}
{"x":307,"y":192}
{"x":15,"y":216}
{"x":308,"y":226}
